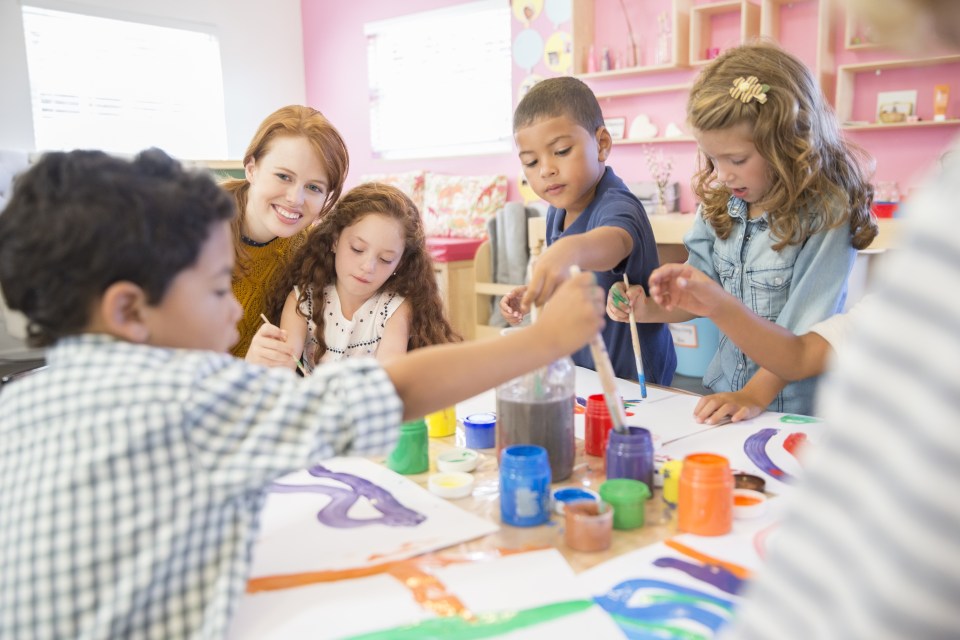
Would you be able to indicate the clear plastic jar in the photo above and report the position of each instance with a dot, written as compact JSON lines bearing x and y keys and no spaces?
{"x":537,"y":408}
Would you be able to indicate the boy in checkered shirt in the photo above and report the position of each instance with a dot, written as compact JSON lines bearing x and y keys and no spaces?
{"x":133,"y":468}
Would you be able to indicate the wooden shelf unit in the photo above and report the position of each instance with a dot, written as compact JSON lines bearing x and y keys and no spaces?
{"x":846,"y":79}
{"x":700,"y":25}
{"x":584,"y":27}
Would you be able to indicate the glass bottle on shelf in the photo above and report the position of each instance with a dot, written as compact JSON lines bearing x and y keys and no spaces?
{"x":664,"y":43}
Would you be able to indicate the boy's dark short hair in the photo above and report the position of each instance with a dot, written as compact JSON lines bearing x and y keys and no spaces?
{"x":80,"y":221}
{"x":562,"y":96}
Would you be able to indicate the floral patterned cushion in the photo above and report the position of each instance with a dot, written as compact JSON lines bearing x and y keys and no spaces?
{"x":410,"y":182}
{"x":459,"y":206}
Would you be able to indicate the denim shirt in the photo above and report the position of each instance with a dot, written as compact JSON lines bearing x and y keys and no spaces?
{"x":795,"y":287}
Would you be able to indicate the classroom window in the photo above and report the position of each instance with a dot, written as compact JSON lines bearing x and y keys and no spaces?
{"x":123,"y":86}
{"x":440,"y":82}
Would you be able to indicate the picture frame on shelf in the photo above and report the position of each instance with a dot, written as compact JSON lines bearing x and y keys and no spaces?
{"x":896,"y":106}
{"x":616,"y":126}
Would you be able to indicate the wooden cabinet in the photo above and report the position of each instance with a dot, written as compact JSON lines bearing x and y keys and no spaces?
{"x":456,"y":289}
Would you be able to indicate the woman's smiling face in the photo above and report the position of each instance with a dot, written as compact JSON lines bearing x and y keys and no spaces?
{"x":288,"y":188}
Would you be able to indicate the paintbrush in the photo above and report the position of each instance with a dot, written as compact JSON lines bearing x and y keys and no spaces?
{"x":601,"y":360}
{"x":635,"y":335}
{"x":295,"y":360}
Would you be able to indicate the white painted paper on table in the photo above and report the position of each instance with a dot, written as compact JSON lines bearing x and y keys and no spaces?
{"x":772,"y":446}
{"x":351,"y":512}
{"x":501,"y":589}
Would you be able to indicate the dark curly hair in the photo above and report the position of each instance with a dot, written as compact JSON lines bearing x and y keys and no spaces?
{"x":818,"y":180}
{"x":81,"y":221}
{"x":313,"y":265}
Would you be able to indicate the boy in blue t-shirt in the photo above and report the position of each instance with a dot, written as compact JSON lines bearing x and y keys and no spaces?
{"x":593,"y":221}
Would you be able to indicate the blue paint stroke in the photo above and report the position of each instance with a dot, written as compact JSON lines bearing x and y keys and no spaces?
{"x":718,"y":576}
{"x":336,"y":513}
{"x":756,"y":449}
{"x":659,"y":604}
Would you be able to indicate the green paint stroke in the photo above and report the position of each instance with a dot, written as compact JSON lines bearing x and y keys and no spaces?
{"x":791,"y":419}
{"x":667,"y":631}
{"x":483,"y":626}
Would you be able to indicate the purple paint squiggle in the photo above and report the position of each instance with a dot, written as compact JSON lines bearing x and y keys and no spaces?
{"x":756,"y":449}
{"x":336,"y":513}
{"x":719,"y":577}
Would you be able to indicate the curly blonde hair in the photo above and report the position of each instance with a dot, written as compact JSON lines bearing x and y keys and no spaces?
{"x":295,"y":121}
{"x":818,"y":180}
{"x":313,"y":265}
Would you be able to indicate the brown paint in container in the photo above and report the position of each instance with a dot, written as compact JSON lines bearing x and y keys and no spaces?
{"x":589,"y":525}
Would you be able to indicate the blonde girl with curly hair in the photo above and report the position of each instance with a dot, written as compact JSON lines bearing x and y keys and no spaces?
{"x":362,"y":285}
{"x":784,"y":206}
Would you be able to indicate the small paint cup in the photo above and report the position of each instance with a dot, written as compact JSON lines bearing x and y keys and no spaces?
{"x":443,"y":423}
{"x":524,"y":485}
{"x":571,"y":494}
{"x":630,"y":455}
{"x":589,"y":525}
{"x":705,"y":495}
{"x":628,"y":498}
{"x":597,"y":425}
{"x":748,"y":504}
{"x":480,"y":430}
{"x":451,"y":484}
{"x":743,"y":480}
{"x":411,"y":455}
{"x":464,"y":460}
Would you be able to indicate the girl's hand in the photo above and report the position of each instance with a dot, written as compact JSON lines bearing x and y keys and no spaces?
{"x":735,"y":405}
{"x":681,"y":286}
{"x":269,"y":348}
{"x":510,"y":306}
{"x":620,"y":301}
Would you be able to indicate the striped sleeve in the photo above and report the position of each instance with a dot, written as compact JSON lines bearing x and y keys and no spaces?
{"x":871,"y":545}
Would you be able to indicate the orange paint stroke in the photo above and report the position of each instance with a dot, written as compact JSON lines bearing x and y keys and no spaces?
{"x":293,"y":580}
{"x":737,"y":570}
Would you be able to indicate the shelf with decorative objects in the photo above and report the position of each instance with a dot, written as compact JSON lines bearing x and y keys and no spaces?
{"x":846,"y":86}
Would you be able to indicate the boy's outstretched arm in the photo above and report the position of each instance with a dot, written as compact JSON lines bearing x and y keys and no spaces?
{"x":599,"y":249}
{"x":434,"y":377}
{"x":788,"y":356}
{"x":645,"y":309}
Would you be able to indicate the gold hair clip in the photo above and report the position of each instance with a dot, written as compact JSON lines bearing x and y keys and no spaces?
{"x":746,"y":89}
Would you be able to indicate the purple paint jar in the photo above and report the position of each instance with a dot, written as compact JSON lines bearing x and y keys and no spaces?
{"x":630,"y":455}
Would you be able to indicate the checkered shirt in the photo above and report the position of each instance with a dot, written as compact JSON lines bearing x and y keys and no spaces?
{"x":131,"y":479}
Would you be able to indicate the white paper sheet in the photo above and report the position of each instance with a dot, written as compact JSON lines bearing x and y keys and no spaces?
{"x":303,"y":531}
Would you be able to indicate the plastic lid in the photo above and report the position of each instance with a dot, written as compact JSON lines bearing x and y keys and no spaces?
{"x":455,"y":484}
{"x":480,"y":420}
{"x":571,"y":494}
{"x":624,"y":490}
{"x":458,"y":460}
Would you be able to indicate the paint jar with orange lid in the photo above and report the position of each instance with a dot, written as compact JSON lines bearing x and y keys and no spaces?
{"x":705,"y":495}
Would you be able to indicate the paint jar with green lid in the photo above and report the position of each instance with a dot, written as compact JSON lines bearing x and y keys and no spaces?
{"x":411,"y":455}
{"x":628,"y":498}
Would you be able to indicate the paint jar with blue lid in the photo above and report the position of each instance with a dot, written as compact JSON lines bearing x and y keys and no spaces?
{"x":524,"y":485}
{"x":480,"y":430}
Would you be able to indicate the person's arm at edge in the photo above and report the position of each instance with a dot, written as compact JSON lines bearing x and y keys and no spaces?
{"x":434,"y":377}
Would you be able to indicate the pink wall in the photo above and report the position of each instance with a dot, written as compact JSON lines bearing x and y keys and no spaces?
{"x":335,"y":50}
{"x":335,"y":63}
